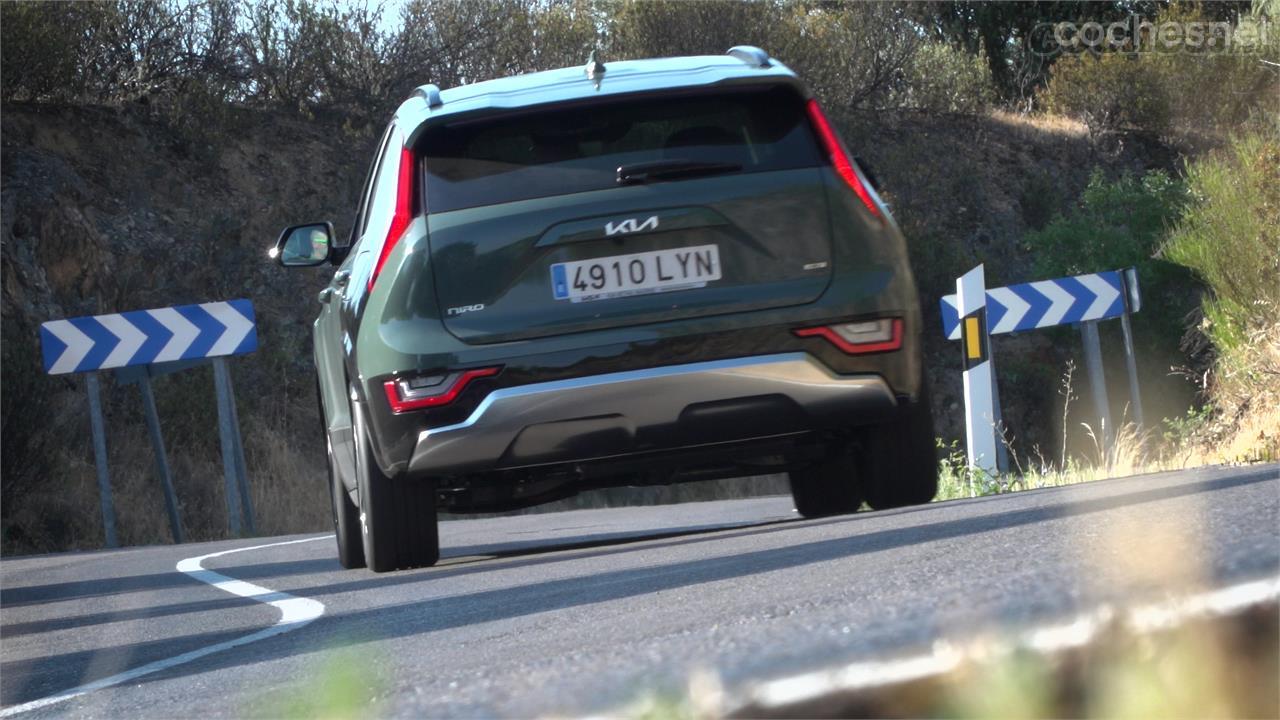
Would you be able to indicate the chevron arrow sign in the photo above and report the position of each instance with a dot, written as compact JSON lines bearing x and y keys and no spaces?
{"x":1045,"y":303}
{"x":142,"y":337}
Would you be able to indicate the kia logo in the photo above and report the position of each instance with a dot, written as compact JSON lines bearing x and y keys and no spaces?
{"x":630,"y":225}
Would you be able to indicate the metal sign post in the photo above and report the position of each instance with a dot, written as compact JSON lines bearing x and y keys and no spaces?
{"x":162,"y":459}
{"x":145,"y":343}
{"x":242,"y":475}
{"x":1081,"y":299}
{"x":226,"y":435}
{"x":1097,"y":381}
{"x":979,"y":382}
{"x":100,"y":459}
{"x":1132,"y":304}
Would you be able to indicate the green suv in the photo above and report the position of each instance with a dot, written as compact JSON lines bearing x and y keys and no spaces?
{"x":620,"y":274}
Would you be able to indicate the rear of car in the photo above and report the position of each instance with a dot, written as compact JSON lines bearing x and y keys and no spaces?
{"x":665,"y":271}
{"x":589,"y":215}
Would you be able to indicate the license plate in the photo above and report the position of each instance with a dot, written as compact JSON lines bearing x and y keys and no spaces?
{"x":635,"y":274}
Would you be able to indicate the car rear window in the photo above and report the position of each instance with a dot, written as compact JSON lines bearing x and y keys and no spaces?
{"x":574,"y":148}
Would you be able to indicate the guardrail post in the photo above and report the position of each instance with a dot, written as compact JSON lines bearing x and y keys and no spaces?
{"x":162,"y":460}
{"x":979,"y":398}
{"x":100,"y":459}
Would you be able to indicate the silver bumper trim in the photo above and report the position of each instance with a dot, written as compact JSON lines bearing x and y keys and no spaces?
{"x":637,"y":399}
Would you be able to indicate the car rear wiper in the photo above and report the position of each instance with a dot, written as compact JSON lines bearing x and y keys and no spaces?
{"x":671,"y":170}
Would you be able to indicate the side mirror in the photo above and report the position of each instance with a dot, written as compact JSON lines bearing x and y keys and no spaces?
{"x":304,"y":245}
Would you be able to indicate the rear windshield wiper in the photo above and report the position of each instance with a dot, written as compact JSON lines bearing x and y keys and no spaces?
{"x":671,"y":170}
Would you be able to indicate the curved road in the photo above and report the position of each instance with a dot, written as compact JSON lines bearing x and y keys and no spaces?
{"x":582,"y":612}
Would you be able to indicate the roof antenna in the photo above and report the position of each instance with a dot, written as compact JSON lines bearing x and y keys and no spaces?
{"x":595,"y":69}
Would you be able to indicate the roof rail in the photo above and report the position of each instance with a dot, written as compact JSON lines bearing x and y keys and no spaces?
{"x":751,"y":55}
{"x":431,"y":93}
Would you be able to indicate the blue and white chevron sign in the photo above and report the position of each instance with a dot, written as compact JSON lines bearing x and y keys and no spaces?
{"x":143,"y":337}
{"x":1045,"y":303}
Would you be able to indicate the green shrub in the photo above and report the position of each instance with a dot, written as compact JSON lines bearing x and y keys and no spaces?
{"x":1039,"y":198}
{"x":1122,"y":223}
{"x":1230,"y":237}
{"x":940,"y":78}
{"x":1117,"y":224}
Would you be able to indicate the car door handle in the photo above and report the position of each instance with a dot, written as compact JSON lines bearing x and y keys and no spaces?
{"x":341,"y":277}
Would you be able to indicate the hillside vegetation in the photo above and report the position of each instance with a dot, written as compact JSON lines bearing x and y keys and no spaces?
{"x":150,"y":151}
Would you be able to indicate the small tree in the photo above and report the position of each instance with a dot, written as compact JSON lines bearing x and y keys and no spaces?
{"x":853,"y":55}
{"x":940,"y":78}
{"x":40,"y":47}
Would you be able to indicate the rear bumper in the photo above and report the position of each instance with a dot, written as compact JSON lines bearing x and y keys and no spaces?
{"x":653,"y":409}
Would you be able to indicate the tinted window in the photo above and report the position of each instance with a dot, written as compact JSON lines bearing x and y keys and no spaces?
{"x":381,"y":204}
{"x":362,"y":216}
{"x":569,"y":149}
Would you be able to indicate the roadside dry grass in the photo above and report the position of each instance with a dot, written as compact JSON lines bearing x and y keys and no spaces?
{"x":1060,"y":125}
{"x":1246,"y":392}
{"x":290,"y":483}
{"x":286,"y":480}
{"x":1128,"y":454}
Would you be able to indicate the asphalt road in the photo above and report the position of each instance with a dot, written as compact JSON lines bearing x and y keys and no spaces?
{"x":581,"y":612}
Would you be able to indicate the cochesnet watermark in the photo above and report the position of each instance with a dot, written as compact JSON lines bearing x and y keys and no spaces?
{"x":1136,"y":34}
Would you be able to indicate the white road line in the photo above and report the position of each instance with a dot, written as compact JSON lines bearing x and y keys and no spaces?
{"x":295,"y":612}
{"x":1073,"y":633}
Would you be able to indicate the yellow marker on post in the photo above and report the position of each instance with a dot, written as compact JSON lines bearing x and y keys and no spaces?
{"x":973,"y":338}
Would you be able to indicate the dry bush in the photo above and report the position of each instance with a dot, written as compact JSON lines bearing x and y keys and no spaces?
{"x":1207,"y":91}
{"x":288,"y":481}
{"x":1108,"y":92}
{"x":668,"y":28}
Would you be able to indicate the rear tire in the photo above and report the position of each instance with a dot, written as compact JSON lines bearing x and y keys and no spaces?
{"x":346,"y":518}
{"x":899,"y":462}
{"x":829,"y":487}
{"x":397,"y":516}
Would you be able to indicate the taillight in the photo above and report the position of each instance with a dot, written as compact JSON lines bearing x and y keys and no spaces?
{"x":860,"y":338}
{"x":403,"y":212}
{"x":425,"y":391}
{"x":839,"y":158}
